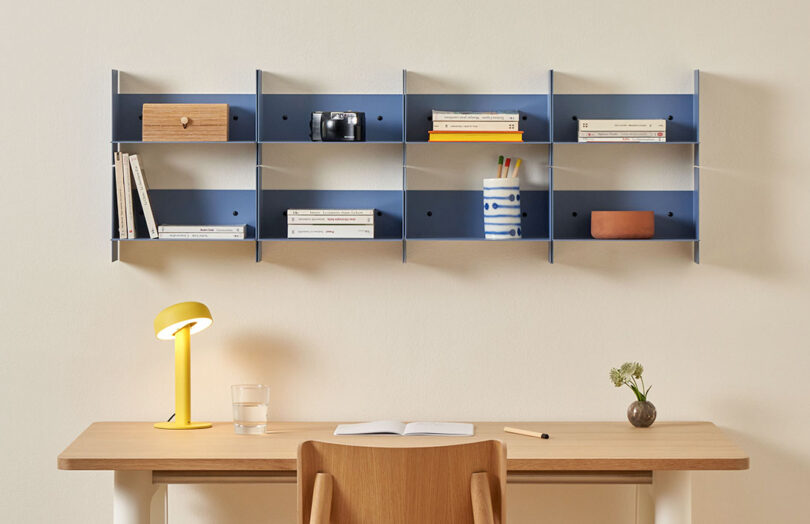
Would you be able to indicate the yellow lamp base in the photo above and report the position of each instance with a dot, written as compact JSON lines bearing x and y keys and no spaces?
{"x":180,"y":425}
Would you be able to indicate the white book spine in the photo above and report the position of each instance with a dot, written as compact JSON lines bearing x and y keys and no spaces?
{"x":120,"y":199}
{"x":128,"y":196}
{"x":621,"y":139}
{"x":477,"y":116}
{"x":167,"y":228}
{"x":201,"y":236}
{"x":339,"y":231}
{"x":659,"y":134}
{"x":335,"y":212}
{"x":622,"y":125}
{"x":331,"y":219}
{"x":475,"y":126}
{"x":143,"y":194}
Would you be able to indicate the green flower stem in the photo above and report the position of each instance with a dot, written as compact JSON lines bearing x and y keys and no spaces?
{"x":639,"y":395}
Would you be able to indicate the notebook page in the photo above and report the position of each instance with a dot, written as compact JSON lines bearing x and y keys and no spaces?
{"x":371,"y":428}
{"x":440,"y":428}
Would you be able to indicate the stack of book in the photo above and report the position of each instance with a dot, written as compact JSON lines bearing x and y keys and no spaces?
{"x":475,"y":126}
{"x":201,"y":232}
{"x":128,"y":170}
{"x":651,"y":130}
{"x":330,"y":223}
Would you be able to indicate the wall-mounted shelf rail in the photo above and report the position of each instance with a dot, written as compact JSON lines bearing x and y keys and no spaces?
{"x":412,"y":213}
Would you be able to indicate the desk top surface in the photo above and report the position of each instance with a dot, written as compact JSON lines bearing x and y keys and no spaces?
{"x":573,"y":446}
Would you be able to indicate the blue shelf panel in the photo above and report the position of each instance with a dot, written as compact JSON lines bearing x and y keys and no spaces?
{"x":383,"y":115}
{"x":252,"y":142}
{"x":276,"y":202}
{"x":331,"y":240}
{"x":572,"y":212}
{"x":467,"y":239}
{"x":479,"y":142}
{"x":195,"y":207}
{"x":682,"y":127}
{"x":341,"y":143}
{"x":533,"y":112}
{"x":624,"y":240}
{"x":459,"y":215}
{"x":127,"y":110}
{"x":668,"y":142}
{"x":184,"y":239}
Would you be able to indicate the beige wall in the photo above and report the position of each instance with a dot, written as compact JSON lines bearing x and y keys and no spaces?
{"x":346,"y":331}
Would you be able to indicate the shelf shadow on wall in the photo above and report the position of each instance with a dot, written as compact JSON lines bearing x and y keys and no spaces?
{"x":159,"y":256}
{"x":463,"y":258}
{"x":321,"y":256}
{"x":743,"y":159}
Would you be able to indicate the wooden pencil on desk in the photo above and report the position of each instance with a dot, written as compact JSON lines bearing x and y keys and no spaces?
{"x":506,"y":168}
{"x":500,"y":165}
{"x":525,"y":432}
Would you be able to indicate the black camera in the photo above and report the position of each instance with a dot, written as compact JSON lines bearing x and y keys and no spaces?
{"x":338,"y":126}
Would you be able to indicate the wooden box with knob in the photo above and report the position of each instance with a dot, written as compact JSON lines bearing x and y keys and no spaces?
{"x":185,"y":123}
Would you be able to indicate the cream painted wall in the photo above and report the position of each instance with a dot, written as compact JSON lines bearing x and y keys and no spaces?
{"x":348,"y":331}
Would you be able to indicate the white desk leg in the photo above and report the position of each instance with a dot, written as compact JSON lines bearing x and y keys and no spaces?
{"x":132,"y":500}
{"x":672,"y":495}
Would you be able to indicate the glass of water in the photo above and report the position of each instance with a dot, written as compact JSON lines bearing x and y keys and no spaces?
{"x":251,"y":403}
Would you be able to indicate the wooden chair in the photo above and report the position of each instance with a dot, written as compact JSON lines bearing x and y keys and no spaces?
{"x":460,"y":484}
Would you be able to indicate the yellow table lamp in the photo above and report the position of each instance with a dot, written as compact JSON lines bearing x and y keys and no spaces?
{"x":179,"y":322}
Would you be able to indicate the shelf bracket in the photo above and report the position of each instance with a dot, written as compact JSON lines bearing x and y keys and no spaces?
{"x":550,"y":251}
{"x":404,"y":251}
{"x":115,"y":250}
{"x":258,"y":251}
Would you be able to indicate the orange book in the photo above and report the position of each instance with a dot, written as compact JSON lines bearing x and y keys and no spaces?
{"x":475,"y":136}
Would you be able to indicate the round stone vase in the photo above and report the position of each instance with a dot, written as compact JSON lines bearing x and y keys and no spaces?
{"x":641,"y":414}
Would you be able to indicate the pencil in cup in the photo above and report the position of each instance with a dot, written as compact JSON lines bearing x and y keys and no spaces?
{"x":517,"y":166}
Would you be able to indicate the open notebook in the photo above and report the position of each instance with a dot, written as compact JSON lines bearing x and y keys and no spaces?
{"x":392,"y":427}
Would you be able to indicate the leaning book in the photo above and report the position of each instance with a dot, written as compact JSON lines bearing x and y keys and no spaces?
{"x":143,"y":195}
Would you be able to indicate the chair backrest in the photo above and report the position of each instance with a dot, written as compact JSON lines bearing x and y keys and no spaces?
{"x":343,"y":484}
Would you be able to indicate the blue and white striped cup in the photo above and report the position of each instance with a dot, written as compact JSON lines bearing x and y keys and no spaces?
{"x":502,"y":208}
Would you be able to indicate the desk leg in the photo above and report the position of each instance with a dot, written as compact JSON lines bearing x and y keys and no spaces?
{"x":672,"y":495}
{"x":134,"y":496}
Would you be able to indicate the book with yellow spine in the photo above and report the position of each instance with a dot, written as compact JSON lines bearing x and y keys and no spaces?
{"x":475,"y":136}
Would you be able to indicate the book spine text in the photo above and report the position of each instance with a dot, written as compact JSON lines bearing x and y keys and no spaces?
{"x":340,"y":231}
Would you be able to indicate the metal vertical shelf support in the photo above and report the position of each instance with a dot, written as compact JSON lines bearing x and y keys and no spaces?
{"x":696,"y":168}
{"x":404,"y":166}
{"x":258,"y":167}
{"x":115,"y":245}
{"x":550,"y":166}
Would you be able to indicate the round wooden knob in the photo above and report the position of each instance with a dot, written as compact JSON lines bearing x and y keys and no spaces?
{"x":184,"y":121}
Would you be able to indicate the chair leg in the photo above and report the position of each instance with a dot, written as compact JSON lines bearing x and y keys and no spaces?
{"x":481,"y":499}
{"x":321,"y":499}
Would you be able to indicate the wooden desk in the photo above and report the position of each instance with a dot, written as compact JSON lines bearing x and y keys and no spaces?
{"x":146,"y":459}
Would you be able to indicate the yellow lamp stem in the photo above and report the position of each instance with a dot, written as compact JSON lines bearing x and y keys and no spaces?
{"x":182,"y":375}
{"x":182,"y":384}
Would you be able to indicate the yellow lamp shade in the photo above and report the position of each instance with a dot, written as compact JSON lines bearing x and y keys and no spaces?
{"x":176,"y":317}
